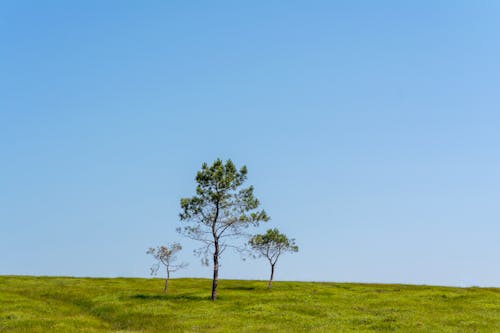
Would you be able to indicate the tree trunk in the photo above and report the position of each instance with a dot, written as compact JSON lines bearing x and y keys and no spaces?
{"x":215,"y":280}
{"x":166,"y":282}
{"x":270,"y":285}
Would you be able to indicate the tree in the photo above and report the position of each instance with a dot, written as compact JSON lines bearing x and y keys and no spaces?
{"x":271,"y":245}
{"x":166,"y":256}
{"x":220,"y":211}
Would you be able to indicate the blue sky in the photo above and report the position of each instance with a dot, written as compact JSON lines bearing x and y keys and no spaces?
{"x":370,"y":131}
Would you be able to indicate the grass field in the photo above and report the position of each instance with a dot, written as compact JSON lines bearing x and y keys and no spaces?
{"x":61,"y":304}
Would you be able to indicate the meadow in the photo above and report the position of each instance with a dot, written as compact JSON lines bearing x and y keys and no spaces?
{"x":65,"y":304}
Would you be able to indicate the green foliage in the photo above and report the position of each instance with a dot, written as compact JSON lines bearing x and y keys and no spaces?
{"x":220,"y":209}
{"x":77,"y":305}
{"x":272,"y":244}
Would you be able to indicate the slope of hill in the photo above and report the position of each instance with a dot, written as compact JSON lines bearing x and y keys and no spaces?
{"x":63,"y":304}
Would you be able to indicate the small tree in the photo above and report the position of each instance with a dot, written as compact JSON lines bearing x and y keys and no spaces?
{"x":220,"y":211}
{"x":166,"y":256}
{"x":271,"y":245}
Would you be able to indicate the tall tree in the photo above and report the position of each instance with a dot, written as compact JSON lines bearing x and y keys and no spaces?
{"x":271,"y":245}
{"x":166,"y":256}
{"x":220,"y":211}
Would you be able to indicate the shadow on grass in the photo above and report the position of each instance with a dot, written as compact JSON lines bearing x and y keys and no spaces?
{"x":240,"y":288}
{"x":168,"y":297}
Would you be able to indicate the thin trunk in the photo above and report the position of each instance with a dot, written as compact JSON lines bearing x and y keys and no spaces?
{"x":216,"y":271}
{"x":271,"y":278}
{"x":215,"y":280}
{"x":166,"y":282}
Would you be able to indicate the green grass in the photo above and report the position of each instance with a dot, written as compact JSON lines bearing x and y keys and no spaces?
{"x":63,"y":304}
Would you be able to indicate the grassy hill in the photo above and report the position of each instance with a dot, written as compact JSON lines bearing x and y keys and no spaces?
{"x":62,"y":304}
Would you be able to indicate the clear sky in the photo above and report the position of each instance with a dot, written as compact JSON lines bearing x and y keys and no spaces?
{"x":371,"y":131}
